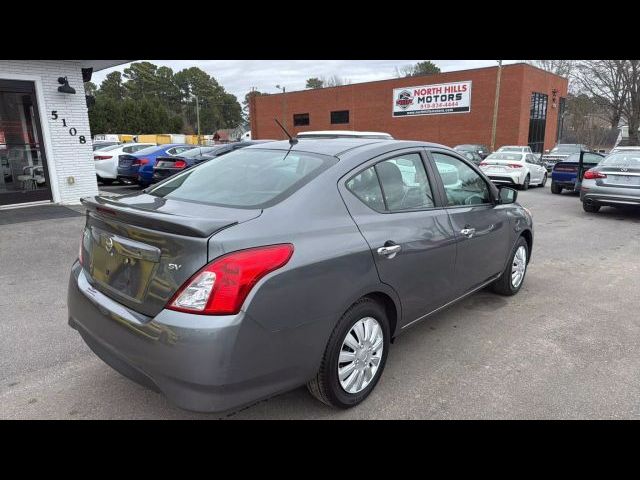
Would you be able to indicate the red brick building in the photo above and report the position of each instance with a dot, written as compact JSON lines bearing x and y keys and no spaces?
{"x":449,"y":108}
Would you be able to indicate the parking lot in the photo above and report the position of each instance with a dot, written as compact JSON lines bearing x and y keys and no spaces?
{"x":565,"y":347}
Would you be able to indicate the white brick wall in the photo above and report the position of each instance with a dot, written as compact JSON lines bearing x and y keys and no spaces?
{"x":66,"y":156}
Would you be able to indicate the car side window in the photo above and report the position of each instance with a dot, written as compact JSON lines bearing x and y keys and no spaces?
{"x":462,"y":184}
{"x":591,"y":158}
{"x":404,"y":181}
{"x":366,"y":187}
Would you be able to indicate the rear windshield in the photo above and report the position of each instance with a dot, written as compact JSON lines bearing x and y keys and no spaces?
{"x":148,"y":150}
{"x":511,"y":149}
{"x":623,"y":159}
{"x":246,"y":178}
{"x":197,"y":151}
{"x":505,"y":156}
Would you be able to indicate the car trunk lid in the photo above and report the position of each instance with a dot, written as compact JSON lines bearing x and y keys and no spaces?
{"x":620,"y":176}
{"x":139,"y":249}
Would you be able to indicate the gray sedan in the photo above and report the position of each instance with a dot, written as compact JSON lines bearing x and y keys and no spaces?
{"x":614,"y":182}
{"x":287,"y":264}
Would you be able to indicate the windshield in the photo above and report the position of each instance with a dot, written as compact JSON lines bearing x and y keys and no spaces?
{"x":505,"y":156}
{"x":568,"y":148}
{"x":623,"y":159}
{"x":246,"y":178}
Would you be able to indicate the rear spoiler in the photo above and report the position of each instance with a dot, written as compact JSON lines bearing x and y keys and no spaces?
{"x":191,"y":226}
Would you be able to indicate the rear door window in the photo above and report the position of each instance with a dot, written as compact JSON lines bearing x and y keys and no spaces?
{"x":366,"y":187}
{"x":246,"y":178}
{"x":404,"y":183}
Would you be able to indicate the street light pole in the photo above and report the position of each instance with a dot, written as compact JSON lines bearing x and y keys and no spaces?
{"x":495,"y":108}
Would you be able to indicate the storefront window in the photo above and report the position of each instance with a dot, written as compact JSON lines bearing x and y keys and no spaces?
{"x":24,"y":175}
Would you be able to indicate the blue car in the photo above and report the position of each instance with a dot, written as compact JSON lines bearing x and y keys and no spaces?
{"x":564,"y":175}
{"x":138,"y":167}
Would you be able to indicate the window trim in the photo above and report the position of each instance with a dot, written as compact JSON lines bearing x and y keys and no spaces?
{"x":371,"y":163}
{"x":443,"y":193}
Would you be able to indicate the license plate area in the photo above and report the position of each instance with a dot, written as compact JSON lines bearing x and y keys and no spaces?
{"x":624,"y":180}
{"x":122,"y":266}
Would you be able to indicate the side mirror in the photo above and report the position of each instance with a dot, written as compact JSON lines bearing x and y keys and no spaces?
{"x":507,"y":195}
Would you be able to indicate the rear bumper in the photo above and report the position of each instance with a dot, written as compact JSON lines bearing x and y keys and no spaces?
{"x":159,"y":175}
{"x":506,"y":178}
{"x":610,"y":199}
{"x":130,"y":173}
{"x":201,"y":363}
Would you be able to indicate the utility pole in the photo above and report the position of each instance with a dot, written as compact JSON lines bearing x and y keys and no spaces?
{"x":284,"y":105}
{"x":495,"y":108}
{"x":198,"y":116}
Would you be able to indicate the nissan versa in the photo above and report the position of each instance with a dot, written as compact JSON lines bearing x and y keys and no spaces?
{"x":287,"y":264}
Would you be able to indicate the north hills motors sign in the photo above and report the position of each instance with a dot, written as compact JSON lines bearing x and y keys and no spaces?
{"x":432,"y":99}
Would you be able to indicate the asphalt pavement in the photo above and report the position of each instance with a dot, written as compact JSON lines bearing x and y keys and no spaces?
{"x":566,"y":347}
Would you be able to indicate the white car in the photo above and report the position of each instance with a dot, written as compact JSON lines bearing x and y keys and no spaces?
{"x":517,"y":169}
{"x":106,"y":159}
{"x":515,"y":149}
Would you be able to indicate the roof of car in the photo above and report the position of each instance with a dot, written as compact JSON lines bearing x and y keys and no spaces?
{"x":339,"y":146}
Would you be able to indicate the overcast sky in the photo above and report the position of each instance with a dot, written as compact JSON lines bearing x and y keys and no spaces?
{"x":239,"y":76}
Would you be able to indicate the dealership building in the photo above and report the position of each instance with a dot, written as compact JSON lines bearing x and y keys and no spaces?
{"x":45,"y":141}
{"x":449,"y":108}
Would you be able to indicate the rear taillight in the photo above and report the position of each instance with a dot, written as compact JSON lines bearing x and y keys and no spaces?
{"x":514,"y":165}
{"x":102,"y":157}
{"x":483,"y":164}
{"x":140,"y":161}
{"x":221,"y":287}
{"x":179,"y":164}
{"x":593,"y":174}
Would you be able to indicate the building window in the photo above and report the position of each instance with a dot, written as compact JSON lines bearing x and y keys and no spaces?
{"x":562,"y":105}
{"x":340,"y":116}
{"x":300,"y":119}
{"x":537,"y":121}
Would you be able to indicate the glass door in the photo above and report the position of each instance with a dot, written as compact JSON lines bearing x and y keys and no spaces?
{"x":24,"y":176}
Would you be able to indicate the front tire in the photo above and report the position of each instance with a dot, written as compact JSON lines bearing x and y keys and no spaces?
{"x":355,"y":356}
{"x":555,"y":188}
{"x":512,"y":278}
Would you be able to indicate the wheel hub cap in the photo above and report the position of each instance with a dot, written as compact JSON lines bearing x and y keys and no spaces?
{"x":519,"y":266}
{"x":360,"y":355}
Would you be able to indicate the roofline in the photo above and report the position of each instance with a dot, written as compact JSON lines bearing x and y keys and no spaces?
{"x":103,"y":64}
{"x":417,"y":77}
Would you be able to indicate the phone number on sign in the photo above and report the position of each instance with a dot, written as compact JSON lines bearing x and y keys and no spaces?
{"x":438,"y":105}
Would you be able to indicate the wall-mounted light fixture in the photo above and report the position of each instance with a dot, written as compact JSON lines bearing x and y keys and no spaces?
{"x":65,"y":87}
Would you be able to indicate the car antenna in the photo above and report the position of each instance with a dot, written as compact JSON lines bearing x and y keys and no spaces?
{"x":292,"y":140}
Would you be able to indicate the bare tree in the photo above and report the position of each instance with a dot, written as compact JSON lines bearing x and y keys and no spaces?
{"x":604,"y":81}
{"x":564,"y":68}
{"x":335,"y":81}
{"x":631,"y":108}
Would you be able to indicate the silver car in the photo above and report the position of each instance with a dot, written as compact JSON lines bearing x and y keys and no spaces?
{"x":286,"y":264}
{"x":614,"y":182}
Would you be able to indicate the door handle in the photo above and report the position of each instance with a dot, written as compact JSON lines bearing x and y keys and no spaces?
{"x":389,"y":251}
{"x":468,"y":232}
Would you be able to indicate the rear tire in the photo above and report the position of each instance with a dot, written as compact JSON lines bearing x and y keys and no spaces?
{"x":504,"y":285}
{"x":525,"y":185}
{"x":590,"y":207}
{"x":326,"y":385}
{"x":106,"y":181}
{"x":555,"y":188}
